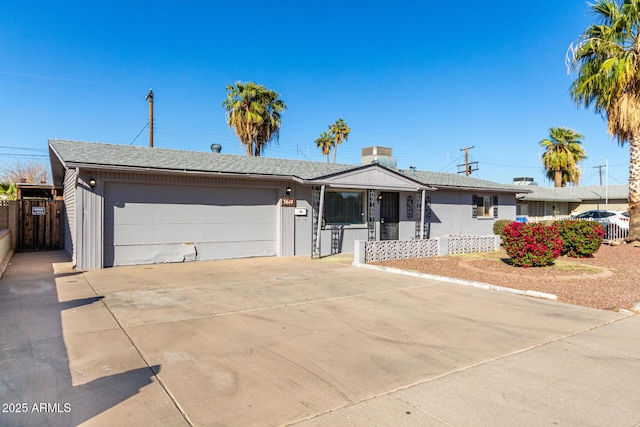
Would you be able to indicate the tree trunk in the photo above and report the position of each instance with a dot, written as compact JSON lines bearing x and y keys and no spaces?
{"x":335,"y":151}
{"x":557,"y":178}
{"x":634,"y":189}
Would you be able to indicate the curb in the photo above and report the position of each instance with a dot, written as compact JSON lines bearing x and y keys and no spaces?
{"x":472,"y":283}
{"x":543,"y":295}
{"x":5,"y":262}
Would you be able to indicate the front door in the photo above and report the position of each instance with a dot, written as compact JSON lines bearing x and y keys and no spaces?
{"x":389,"y":215}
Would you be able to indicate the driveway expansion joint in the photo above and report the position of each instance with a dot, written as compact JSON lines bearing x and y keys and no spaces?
{"x":146,"y":362}
{"x":462,"y":369}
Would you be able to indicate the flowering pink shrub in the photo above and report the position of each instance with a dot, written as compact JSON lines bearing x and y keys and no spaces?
{"x":531,"y":245}
{"x":581,"y":239}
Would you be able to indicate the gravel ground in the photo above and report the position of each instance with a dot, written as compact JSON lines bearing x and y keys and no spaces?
{"x":609,"y":281}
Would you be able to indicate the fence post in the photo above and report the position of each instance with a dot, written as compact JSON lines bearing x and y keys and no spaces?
{"x":359,"y":251}
{"x":443,"y":246}
{"x":13,"y":222}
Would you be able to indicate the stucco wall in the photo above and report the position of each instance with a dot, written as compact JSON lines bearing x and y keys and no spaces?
{"x":452,"y":213}
{"x":4,"y":217}
{"x":5,"y":245}
{"x":303,"y":224}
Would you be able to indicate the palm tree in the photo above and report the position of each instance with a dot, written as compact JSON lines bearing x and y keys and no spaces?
{"x":254,"y":112}
{"x":551,"y":176}
{"x":340,"y":133}
{"x":325,"y":141}
{"x":607,"y":60}
{"x":563,"y":152}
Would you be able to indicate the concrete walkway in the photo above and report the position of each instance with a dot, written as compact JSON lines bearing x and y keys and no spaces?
{"x":276,"y":341}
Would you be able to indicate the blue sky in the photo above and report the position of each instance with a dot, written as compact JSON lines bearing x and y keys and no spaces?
{"x":425,"y":79}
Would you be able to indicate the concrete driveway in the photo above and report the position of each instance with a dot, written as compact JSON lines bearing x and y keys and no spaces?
{"x":276,"y":341}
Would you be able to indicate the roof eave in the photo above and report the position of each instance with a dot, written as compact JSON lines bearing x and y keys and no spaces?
{"x":332,"y":184}
{"x":469,"y":188}
{"x":143,"y":169}
{"x":57,"y":164}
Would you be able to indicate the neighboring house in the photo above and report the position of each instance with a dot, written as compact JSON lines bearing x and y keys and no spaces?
{"x":140,"y":205}
{"x":550,"y":202}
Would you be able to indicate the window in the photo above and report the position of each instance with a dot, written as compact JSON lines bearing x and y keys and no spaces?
{"x":344,"y":207}
{"x":522,"y":209}
{"x":550,"y":209}
{"x":485,"y":206}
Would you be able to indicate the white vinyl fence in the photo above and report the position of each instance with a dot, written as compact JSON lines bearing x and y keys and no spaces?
{"x":612,"y":231}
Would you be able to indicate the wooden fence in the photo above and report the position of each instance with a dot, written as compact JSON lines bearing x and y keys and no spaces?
{"x":40,"y":225}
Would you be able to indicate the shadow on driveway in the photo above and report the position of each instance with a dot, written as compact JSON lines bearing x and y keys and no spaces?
{"x":37,"y":382}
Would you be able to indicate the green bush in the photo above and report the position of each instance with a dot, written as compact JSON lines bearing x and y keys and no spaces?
{"x":531,"y":245}
{"x":581,"y":239}
{"x":498,"y":226}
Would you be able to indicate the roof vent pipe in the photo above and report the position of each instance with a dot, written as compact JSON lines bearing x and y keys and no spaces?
{"x":216,"y":148}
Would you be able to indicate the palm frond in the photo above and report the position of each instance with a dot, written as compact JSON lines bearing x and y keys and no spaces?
{"x":255,"y":113}
{"x":563,"y":152}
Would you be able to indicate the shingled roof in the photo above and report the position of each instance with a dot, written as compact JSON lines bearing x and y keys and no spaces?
{"x":452,"y":180}
{"x":108,"y":156}
{"x":91,"y":154}
{"x":575,"y":194}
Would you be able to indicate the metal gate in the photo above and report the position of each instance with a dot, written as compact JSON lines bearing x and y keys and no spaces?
{"x":40,"y":225}
{"x":389,"y":216}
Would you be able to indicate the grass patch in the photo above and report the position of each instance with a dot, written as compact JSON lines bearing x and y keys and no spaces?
{"x":559,"y":265}
{"x":574,"y":266}
{"x":479,"y":255}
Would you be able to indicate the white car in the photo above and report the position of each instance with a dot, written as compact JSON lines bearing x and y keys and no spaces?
{"x":607,"y":218}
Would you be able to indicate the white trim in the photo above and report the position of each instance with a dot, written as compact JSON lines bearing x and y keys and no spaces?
{"x":423,"y":208}
{"x":320,"y":209}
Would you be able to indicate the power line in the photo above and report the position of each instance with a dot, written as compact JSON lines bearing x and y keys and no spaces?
{"x":139,"y":133}
{"x":511,"y":166}
{"x":450,"y":164}
{"x":24,"y":155}
{"x":35,"y":76}
{"x":23,"y":148}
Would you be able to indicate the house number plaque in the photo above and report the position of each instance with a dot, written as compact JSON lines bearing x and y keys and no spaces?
{"x":288,"y":201}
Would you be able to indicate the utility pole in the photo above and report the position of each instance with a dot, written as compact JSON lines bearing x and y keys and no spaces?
{"x":150,"y":99}
{"x":600,"y":170}
{"x":468,"y":166}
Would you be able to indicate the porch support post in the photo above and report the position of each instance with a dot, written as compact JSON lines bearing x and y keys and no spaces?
{"x":422,"y":211}
{"x":320,"y":211}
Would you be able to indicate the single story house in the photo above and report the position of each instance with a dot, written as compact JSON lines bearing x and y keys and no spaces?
{"x":140,"y":205}
{"x":552,"y":202}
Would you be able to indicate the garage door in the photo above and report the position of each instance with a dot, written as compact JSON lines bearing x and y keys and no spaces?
{"x":148,"y":224}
